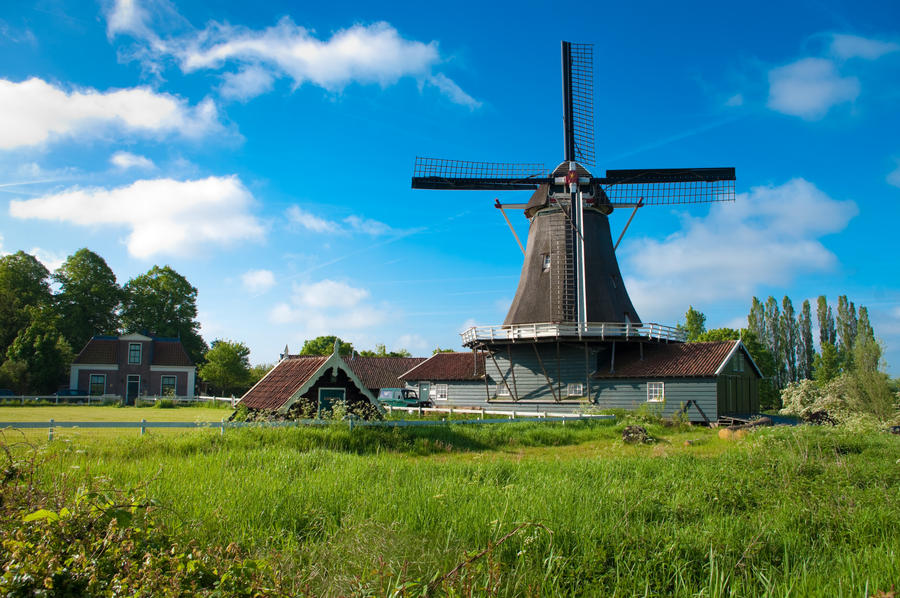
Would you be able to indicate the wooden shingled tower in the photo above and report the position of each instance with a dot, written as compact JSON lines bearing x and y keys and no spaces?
{"x":570,"y":288}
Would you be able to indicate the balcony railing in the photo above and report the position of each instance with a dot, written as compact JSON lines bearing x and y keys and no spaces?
{"x":591,"y":330}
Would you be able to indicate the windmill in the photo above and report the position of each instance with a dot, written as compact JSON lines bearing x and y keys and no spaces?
{"x":570,"y":286}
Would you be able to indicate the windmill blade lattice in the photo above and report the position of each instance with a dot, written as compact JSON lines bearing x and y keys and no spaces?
{"x":668,"y":186}
{"x":578,"y":102}
{"x":439,"y":173}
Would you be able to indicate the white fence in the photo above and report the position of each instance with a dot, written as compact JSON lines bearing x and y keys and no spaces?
{"x":144,"y":425}
{"x":111,"y":399}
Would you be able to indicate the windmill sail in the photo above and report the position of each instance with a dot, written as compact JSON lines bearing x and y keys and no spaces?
{"x":578,"y":102}
{"x":438,"y":173}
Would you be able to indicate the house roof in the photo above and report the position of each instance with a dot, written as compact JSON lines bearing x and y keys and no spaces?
{"x":448,"y":366}
{"x":283,"y":381}
{"x":672,"y":360}
{"x":382,"y":372}
{"x":105,"y":350}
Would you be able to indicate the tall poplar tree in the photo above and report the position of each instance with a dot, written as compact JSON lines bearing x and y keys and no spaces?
{"x":806,"y":352}
{"x":826,"y":322}
{"x":789,"y":336}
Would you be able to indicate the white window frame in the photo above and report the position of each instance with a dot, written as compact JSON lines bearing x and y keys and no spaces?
{"x":441,"y":392}
{"x":545,"y":262}
{"x":575,"y":389}
{"x":90,"y":383}
{"x":656,"y":392}
{"x":503,"y":391}
{"x":140,"y":353}
{"x":162,"y":384}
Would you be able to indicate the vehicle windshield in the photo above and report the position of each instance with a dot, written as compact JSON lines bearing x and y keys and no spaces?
{"x":410,"y":394}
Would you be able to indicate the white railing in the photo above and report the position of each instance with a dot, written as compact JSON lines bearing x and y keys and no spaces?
{"x":106,"y":399}
{"x":591,"y":330}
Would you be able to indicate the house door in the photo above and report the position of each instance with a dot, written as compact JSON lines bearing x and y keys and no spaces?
{"x":327,"y":398}
{"x":424,"y":389}
{"x":132,"y":388}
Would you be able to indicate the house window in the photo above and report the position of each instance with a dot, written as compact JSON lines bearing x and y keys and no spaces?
{"x":98,"y":384}
{"x":545,"y":262}
{"x":502,"y":390}
{"x":134,"y":352}
{"x":655,"y":392}
{"x":575,"y":390}
{"x":167,"y":386}
{"x":440,"y":392}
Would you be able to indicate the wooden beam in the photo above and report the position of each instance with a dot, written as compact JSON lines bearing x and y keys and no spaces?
{"x":546,"y":377}
{"x":487,"y":389}
{"x":587,"y":374}
{"x":505,"y":217}
{"x":499,"y":373}
{"x":512,"y":371}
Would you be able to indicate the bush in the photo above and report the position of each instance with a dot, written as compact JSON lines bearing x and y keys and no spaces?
{"x":843,"y":401}
{"x":165,"y":404}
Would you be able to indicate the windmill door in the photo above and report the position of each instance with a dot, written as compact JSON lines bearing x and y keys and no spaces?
{"x":327,"y":399}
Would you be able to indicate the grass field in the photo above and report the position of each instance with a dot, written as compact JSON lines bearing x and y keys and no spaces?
{"x":521,"y":509}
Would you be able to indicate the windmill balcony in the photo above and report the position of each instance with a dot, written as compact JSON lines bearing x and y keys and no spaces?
{"x":591,"y":330}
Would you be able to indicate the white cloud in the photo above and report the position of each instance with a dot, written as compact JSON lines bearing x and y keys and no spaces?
{"x":329,"y":293}
{"x":809,"y":88}
{"x":165,"y":216}
{"x":351,"y":224}
{"x":413,"y":343}
{"x":33,"y":111}
{"x":469,"y":323}
{"x":52,"y":260}
{"x":247,"y":83}
{"x":126,"y":160}
{"x":310,"y":222}
{"x":367,"y":226}
{"x":894,"y":176}
{"x":853,"y":46}
{"x":453,"y":91}
{"x":767,"y":237}
{"x":258,"y":281}
{"x":126,"y":16}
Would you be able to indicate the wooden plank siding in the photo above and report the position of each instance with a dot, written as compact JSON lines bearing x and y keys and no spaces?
{"x":632,"y":394}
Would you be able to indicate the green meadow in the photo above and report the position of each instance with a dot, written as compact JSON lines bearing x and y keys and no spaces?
{"x":519,"y":509}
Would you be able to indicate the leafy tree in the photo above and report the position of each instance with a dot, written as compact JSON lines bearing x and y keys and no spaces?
{"x":694,"y":324}
{"x":257,"y":372}
{"x":827,"y":365}
{"x":789,"y":334}
{"x":719,"y":335}
{"x":756,"y":319}
{"x":23,"y":284}
{"x":324,"y":345}
{"x":43,"y":349}
{"x":825,"y":316}
{"x":88,"y":297}
{"x":806,"y":352}
{"x":439,"y":350}
{"x":773,"y":340}
{"x":164,"y":303}
{"x":381,"y":351}
{"x":227,"y":366}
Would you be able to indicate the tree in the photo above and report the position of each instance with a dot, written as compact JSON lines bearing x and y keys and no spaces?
{"x":694,"y":324}
{"x":164,"y":303}
{"x":769,"y":397}
{"x":23,"y":284}
{"x":806,"y":352}
{"x":257,"y":372}
{"x":324,"y":345}
{"x":826,"y":321}
{"x":227,"y":366}
{"x":846,"y":322}
{"x":773,"y":341}
{"x":88,"y":297}
{"x":381,"y":351}
{"x":789,"y":335}
{"x":43,"y":350}
{"x":827,"y":365}
{"x":756,"y":319}
{"x":439,"y":350}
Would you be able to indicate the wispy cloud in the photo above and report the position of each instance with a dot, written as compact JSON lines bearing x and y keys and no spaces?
{"x":164,"y":216}
{"x":367,"y":54}
{"x":809,"y":88}
{"x":258,"y":281}
{"x":300,"y":218}
{"x":33,"y":112}
{"x":853,"y":46}
{"x":126,"y":160}
{"x":894,"y":176}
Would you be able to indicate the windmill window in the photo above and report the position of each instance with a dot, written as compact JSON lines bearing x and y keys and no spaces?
{"x":502,"y":390}
{"x":575,"y":390}
{"x":656,"y":392}
{"x":545,"y":262}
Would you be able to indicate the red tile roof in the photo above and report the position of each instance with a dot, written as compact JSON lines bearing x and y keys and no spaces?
{"x":284,"y":380}
{"x":170,"y":352}
{"x":448,"y":366}
{"x":96,"y":351}
{"x":673,"y":360}
{"x":382,"y":372}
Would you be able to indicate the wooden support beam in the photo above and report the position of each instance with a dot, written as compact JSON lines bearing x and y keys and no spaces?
{"x":546,"y":377}
{"x":512,"y":371}
{"x":558,"y":373}
{"x":499,"y":206}
{"x":487,"y":389}
{"x":587,"y":373}
{"x":499,"y":373}
{"x":612,"y":358}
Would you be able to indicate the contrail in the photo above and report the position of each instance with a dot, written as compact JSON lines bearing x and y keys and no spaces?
{"x":676,"y":137}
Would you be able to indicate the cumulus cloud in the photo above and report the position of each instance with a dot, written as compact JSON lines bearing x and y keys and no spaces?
{"x":767,"y":237}
{"x":33,"y":111}
{"x":809,"y":88}
{"x":52,"y":260}
{"x":165,"y":216}
{"x":258,"y":281}
{"x":329,"y":307}
{"x":370,"y":54}
{"x":126,"y":160}
{"x":305,"y":220}
{"x":853,"y":46}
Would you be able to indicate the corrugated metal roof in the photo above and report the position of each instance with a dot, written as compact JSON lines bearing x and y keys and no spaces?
{"x":673,"y":360}
{"x":382,"y":372}
{"x":99,"y":350}
{"x":282,"y":381}
{"x":448,"y":366}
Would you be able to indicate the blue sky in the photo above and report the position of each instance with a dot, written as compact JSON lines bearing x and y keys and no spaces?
{"x":264,"y":151}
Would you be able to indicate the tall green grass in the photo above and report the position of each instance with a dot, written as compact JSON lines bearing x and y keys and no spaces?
{"x":797,"y":511}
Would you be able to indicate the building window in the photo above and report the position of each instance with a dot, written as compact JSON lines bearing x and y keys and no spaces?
{"x":545,"y":262}
{"x":98,"y":384}
{"x":502,"y":390}
{"x":575,"y":390}
{"x":655,"y":392}
{"x":738,"y":363}
{"x":440,"y":392}
{"x":134,"y":352}
{"x":167,"y":386}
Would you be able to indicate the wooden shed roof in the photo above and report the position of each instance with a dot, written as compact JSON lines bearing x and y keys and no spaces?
{"x":382,"y":372}
{"x":673,"y":360}
{"x":283,"y":381}
{"x":448,"y":366}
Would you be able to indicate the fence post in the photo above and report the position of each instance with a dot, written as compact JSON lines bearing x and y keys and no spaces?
{"x":222,"y":433}
{"x":482,"y":413}
{"x":351,"y":424}
{"x":390,"y":410}
{"x":143,"y":421}
{"x":50,"y":434}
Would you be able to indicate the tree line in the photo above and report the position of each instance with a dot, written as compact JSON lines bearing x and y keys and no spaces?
{"x":47,"y":318}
